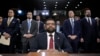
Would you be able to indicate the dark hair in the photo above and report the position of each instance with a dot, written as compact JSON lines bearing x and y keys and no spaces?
{"x":49,"y":19}
{"x":30,"y":12}
{"x":1,"y":17}
{"x":12,"y":10}
{"x":86,"y":9}
{"x":72,"y":10}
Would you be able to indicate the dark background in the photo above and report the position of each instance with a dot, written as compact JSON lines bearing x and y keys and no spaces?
{"x":26,"y":5}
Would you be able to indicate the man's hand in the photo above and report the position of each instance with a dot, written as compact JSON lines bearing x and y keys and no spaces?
{"x":81,"y":40}
{"x":28,"y":35}
{"x":69,"y":35}
{"x":73,"y":37}
{"x":7,"y":35}
{"x":98,"y":40}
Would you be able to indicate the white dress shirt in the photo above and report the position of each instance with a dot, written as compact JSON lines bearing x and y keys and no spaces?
{"x":38,"y":25}
{"x":29,"y":21}
{"x":48,"y":40}
{"x":58,"y":28}
{"x":71,"y":20}
{"x":89,"y":19}
{"x":72,"y":24}
{"x":9,"y":20}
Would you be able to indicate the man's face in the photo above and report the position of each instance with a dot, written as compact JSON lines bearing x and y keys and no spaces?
{"x":50,"y":26}
{"x":71,"y":14}
{"x":88,"y":13}
{"x":37,"y":18}
{"x":58,"y":22}
{"x":0,"y":19}
{"x":29,"y":15}
{"x":10,"y":13}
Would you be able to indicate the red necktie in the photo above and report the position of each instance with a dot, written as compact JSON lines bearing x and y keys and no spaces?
{"x":51,"y":42}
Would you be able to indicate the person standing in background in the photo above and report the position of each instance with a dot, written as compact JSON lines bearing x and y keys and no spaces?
{"x":89,"y":32}
{"x":72,"y":30}
{"x":40,"y":24}
{"x":10,"y":29}
{"x":29,"y":30}
{"x":58,"y":26}
{"x":1,"y":19}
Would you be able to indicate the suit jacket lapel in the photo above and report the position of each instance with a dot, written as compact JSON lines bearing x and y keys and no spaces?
{"x":10,"y":22}
{"x":75,"y":22}
{"x":56,"y":39}
{"x":85,"y":20}
{"x":6,"y":22}
{"x":45,"y":39}
{"x":26,"y":25}
{"x":32,"y":24}
{"x":69,"y":23}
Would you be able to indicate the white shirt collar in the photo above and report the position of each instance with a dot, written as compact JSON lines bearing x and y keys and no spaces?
{"x":48,"y":40}
{"x":87,"y":17}
{"x":50,"y":33}
{"x":11,"y":18}
{"x":71,"y":19}
{"x":29,"y":19}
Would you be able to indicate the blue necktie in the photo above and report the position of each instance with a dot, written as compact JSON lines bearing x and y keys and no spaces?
{"x":29,"y":26}
{"x":58,"y":28}
{"x":72,"y":23}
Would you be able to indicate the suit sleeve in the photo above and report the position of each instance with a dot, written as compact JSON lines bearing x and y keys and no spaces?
{"x":34,"y":44}
{"x":79,"y":29}
{"x":66,"y":45}
{"x":16,"y":28}
{"x":22,"y":28}
{"x":96,"y":29}
{"x":82,"y":28}
{"x":65,"y":29}
{"x":35,"y":29}
{"x":42,"y":27}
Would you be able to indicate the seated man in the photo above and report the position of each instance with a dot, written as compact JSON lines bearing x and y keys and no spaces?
{"x":50,"y":39}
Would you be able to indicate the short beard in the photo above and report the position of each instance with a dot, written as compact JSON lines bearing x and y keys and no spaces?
{"x":50,"y":31}
{"x":88,"y":15}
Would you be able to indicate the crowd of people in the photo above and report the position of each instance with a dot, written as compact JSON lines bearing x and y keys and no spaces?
{"x":75,"y":34}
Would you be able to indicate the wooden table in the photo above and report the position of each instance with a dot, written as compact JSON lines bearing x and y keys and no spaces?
{"x":92,"y":54}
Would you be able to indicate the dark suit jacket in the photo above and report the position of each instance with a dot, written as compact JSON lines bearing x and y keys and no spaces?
{"x":13,"y":28}
{"x":89,"y":31}
{"x":40,"y":42}
{"x":41,"y":27}
{"x":33,"y":30}
{"x":67,"y":28}
{"x":1,"y":30}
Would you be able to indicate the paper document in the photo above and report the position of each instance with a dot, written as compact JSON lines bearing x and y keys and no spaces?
{"x":4,"y":41}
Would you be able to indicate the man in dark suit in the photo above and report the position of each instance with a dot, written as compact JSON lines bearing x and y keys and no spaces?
{"x":40,"y":24}
{"x":10,"y":28}
{"x":72,"y":30}
{"x":50,"y":40}
{"x":29,"y":30}
{"x":89,"y":32}
{"x":1,"y":19}
{"x":58,"y":27}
